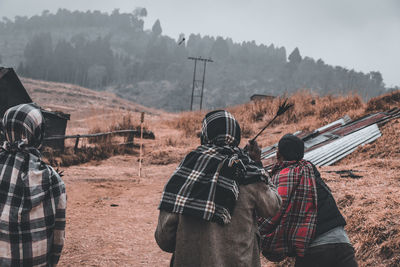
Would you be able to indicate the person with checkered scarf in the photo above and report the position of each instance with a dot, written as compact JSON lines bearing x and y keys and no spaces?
{"x":209,"y":206}
{"x":32,"y":194}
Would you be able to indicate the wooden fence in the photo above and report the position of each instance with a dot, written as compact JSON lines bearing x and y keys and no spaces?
{"x":130,"y":133}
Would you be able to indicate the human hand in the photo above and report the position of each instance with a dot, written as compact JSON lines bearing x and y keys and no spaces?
{"x":254,"y":150}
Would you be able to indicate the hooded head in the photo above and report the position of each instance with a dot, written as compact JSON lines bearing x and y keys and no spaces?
{"x":23,"y":126}
{"x":220,"y":128}
{"x":290,"y":147}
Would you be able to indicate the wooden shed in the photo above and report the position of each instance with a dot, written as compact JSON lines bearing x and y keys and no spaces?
{"x":56,"y":124}
{"x":13,"y":93}
{"x":257,"y":97}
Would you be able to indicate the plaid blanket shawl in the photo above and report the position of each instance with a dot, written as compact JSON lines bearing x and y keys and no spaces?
{"x":32,"y":194}
{"x":290,"y":231}
{"x":206,"y":183}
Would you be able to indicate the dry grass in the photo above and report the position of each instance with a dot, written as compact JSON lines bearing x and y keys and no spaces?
{"x":371,"y":207}
{"x":387,"y":146}
{"x":309,"y":112}
{"x":85,"y":154}
{"x":370,"y":204}
{"x":171,"y":149}
{"x":188,"y":122}
{"x":384,"y":102}
{"x":307,"y":107}
{"x":98,"y":148}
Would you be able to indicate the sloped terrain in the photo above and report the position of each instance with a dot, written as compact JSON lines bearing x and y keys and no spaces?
{"x":71,"y":98}
{"x":112,"y":212}
{"x":88,"y":108}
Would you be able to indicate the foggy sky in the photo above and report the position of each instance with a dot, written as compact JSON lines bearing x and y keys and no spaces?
{"x":357,"y":34}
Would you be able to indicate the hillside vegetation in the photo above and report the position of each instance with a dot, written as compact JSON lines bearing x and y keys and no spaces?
{"x":370,"y":204}
{"x":115,"y":52}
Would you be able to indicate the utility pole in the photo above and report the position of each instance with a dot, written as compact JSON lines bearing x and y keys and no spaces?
{"x":195,"y":81}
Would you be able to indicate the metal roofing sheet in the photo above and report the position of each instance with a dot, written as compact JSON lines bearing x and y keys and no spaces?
{"x":318,"y":140}
{"x":311,"y":138}
{"x":342,"y":121}
{"x":338,"y":149}
{"x":334,"y":141}
{"x":361,"y":123}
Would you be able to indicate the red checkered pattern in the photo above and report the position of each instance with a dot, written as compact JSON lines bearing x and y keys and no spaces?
{"x":290,"y":232}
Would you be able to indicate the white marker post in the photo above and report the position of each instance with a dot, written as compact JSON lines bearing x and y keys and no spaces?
{"x":141,"y":144}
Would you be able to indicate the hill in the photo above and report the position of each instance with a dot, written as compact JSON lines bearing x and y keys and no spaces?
{"x":370,"y":203}
{"x":83,"y":104}
{"x":72,"y":98}
{"x":114,"y":52}
{"x":112,"y":212}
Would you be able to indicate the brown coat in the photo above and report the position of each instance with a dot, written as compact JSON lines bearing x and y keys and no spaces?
{"x":196,"y":242}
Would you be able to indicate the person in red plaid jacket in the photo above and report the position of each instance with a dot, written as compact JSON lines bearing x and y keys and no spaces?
{"x":309,"y":225}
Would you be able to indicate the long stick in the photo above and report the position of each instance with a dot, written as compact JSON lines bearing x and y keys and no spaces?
{"x":282,"y":109}
{"x":141,"y":143}
{"x":265,"y":127}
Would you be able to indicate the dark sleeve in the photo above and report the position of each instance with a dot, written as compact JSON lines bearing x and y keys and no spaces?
{"x":268,"y":201}
{"x":165,"y":234}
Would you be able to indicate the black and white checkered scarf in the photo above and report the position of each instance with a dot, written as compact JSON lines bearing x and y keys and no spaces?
{"x":32,"y":194}
{"x":206,"y":183}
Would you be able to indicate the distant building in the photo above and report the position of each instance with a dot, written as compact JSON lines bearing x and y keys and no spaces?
{"x":56,"y":124}
{"x":257,"y":97}
{"x":13,"y":93}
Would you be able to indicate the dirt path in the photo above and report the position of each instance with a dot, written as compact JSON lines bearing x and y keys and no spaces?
{"x":112,"y":215}
{"x":99,"y":233}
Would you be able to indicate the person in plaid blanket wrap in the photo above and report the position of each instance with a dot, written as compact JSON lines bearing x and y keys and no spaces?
{"x":309,"y":225}
{"x":208,"y":207}
{"x":32,"y":194}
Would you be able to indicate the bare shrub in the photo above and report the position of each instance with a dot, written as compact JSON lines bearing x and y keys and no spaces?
{"x":188,"y":122}
{"x":164,"y":157}
{"x":387,"y":146}
{"x":335,"y":107}
{"x":126,"y":122}
{"x":85,"y":154}
{"x":171,"y":141}
{"x":246,"y":130}
{"x":104,"y":139}
{"x":384,"y":102}
{"x":97,"y":148}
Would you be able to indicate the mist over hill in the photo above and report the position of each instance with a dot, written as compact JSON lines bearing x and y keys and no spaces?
{"x":114,"y":52}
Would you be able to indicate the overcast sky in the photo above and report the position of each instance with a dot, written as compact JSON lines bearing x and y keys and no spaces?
{"x":357,"y":34}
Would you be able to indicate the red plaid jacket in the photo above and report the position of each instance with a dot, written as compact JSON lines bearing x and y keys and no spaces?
{"x":290,"y":231}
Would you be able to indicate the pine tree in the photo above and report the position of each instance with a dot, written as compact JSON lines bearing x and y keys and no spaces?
{"x":156,"y":29}
{"x":295,"y":56}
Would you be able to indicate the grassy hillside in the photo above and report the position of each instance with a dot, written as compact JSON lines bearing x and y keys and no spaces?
{"x":370,"y":204}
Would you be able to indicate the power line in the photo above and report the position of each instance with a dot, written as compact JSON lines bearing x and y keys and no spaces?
{"x":195,"y":85}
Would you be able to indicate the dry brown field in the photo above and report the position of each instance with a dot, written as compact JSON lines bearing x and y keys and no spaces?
{"x":112,"y":212}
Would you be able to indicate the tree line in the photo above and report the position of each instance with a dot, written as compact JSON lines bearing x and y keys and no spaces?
{"x":114,"y":52}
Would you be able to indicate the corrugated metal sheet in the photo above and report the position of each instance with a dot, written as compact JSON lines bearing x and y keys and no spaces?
{"x":339,"y":148}
{"x":332,"y":142}
{"x":359,"y":124}
{"x":342,"y":121}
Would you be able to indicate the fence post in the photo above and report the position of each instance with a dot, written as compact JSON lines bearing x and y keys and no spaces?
{"x":76,"y":143}
{"x":141,"y":143}
{"x":129,"y":140}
